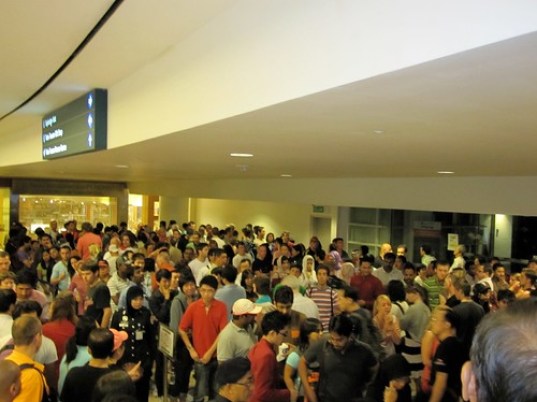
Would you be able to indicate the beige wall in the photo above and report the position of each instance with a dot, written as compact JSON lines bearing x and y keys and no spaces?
{"x":274,"y":217}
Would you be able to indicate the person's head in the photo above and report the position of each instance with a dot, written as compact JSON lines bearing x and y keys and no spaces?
{"x":402,"y":250}
{"x":5,"y":261}
{"x":295,"y":270}
{"x":283,"y":299}
{"x":10,"y":380}
{"x":138,"y":260}
{"x":444,"y":322}
{"x":208,"y":287}
{"x":138,"y":274}
{"x":135,"y":299}
{"x":25,"y":282}
{"x":262,"y":285}
{"x":7,"y":280}
{"x":229,"y":274}
{"x":310,"y":331}
{"x":348,"y":298}
{"x":8,"y":298}
{"x":101,"y":343}
{"x":117,"y":382}
{"x":365,"y":266}
{"x":505,"y":297}
{"x":244,"y":312}
{"x":442,"y":270}
{"x":409,"y":273}
{"x":502,"y":367}
{"x":425,"y":249}
{"x":396,"y":290}
{"x":382,"y":305}
{"x":499,"y":271}
{"x":87,"y":227}
{"x":323,"y":272}
{"x":89,"y":271}
{"x":104,"y":269}
{"x":164,"y":278}
{"x":65,"y":253}
{"x":83,"y":328}
{"x":27,"y":332}
{"x":63,"y":308}
{"x":482,"y":293}
{"x":27,"y":307}
{"x":414,"y":294}
{"x":187,"y":284}
{"x":274,"y":327}
{"x":234,"y":380}
{"x":340,"y":331}
{"x":400,"y":261}
{"x":119,"y":343}
{"x":483,"y":271}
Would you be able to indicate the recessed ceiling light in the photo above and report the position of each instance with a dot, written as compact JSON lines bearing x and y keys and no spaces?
{"x":445,"y":172}
{"x":122,"y":166}
{"x":241,"y":155}
{"x":378,"y":131}
{"x":286,"y":175}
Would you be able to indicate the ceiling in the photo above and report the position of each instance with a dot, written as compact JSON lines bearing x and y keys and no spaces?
{"x":473,"y":113}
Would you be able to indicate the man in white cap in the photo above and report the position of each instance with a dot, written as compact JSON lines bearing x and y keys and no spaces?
{"x":238,"y":337}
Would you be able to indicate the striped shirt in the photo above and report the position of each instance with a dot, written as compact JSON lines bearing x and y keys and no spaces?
{"x":326,"y":300}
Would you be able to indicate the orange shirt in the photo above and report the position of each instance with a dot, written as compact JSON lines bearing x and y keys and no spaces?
{"x":32,"y":381}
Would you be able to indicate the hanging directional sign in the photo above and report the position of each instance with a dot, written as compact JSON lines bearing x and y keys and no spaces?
{"x":76,"y":128}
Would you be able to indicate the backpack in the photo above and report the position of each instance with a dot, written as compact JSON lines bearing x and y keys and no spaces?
{"x":49,"y":394}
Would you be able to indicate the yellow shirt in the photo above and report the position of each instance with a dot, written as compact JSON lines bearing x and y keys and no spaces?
{"x":32,"y":381}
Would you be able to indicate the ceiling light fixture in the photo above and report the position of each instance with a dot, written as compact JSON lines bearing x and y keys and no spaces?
{"x":241,"y":155}
{"x":122,"y":166}
{"x":286,"y":175}
{"x":378,"y":131}
{"x":445,"y":172}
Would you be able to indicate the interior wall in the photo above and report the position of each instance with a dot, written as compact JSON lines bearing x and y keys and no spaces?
{"x":274,"y":217}
{"x":480,"y":195}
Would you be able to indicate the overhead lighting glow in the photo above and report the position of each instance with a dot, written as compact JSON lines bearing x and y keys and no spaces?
{"x":286,"y":175}
{"x":445,"y":172}
{"x":122,"y":166}
{"x":378,"y":131}
{"x":241,"y":155}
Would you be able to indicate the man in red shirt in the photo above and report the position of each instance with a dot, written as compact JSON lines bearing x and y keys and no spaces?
{"x":275,"y":327}
{"x":204,"y":319}
{"x":368,"y":286}
{"x":86,"y":239}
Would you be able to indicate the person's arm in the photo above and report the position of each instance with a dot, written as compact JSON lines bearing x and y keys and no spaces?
{"x":107,"y":314}
{"x":186,"y":325}
{"x":263,"y":369}
{"x":176,"y":313}
{"x":113,"y":289}
{"x":309,"y":392}
{"x":289,"y":370}
{"x":206,"y":358}
{"x":186,"y":340}
{"x":396,"y":331}
{"x":56,"y":277}
{"x":427,"y":342}
{"x":439,"y":387}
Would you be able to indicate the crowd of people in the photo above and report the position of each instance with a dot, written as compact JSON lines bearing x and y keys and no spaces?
{"x":256,"y":317}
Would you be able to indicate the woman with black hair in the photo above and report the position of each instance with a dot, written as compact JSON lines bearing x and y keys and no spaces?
{"x":76,"y":348}
{"x":135,"y":319}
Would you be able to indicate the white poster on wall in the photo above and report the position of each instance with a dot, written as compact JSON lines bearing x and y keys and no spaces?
{"x":452,"y":241}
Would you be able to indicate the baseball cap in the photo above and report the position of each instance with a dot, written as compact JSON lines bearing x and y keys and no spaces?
{"x":119,"y":338}
{"x":231,"y":371}
{"x":245,"y":306}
